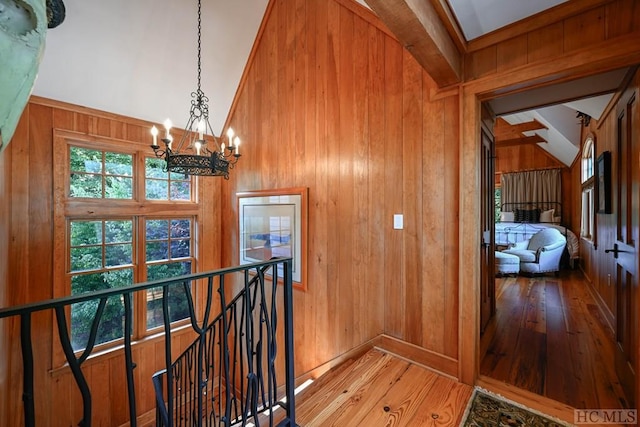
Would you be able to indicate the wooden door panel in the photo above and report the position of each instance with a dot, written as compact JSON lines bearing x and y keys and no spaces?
{"x":487,"y":254}
{"x":625,"y":249}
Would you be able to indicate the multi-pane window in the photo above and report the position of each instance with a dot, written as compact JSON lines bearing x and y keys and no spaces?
{"x":587,"y":227}
{"x":497,"y":200}
{"x":163,"y":185}
{"x":168,"y":254}
{"x":112,"y":242}
{"x":587,"y":160}
{"x":100,"y":257}
{"x":100,"y":174}
{"x":588,"y":209}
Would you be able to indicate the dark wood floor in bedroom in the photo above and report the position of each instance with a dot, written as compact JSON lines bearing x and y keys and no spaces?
{"x":549,"y":337}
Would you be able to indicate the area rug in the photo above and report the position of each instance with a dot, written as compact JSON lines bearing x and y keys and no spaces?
{"x":489,"y":410}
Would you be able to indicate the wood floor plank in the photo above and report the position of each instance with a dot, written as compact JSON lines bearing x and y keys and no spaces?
{"x":535,"y":313}
{"x":445,"y":408}
{"x":361,"y":372}
{"x":501,"y":351}
{"x":552,"y":339}
{"x":395,"y":403}
{"x":382,"y":389}
{"x":560,"y":383}
{"x":528,"y":367}
{"x":581,"y":355}
{"x":352,"y":406}
{"x":325,"y":379}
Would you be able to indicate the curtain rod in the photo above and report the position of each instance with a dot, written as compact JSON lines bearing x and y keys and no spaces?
{"x":533,"y":170}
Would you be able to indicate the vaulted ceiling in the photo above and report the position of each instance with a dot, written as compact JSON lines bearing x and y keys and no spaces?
{"x":138,"y":58}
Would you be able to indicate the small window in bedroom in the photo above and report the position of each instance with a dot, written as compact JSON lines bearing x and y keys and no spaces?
{"x":587,"y":228}
{"x":498,"y":203}
{"x":588,"y":156}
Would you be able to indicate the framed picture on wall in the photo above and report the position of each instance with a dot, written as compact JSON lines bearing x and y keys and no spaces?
{"x":273,"y":223}
{"x":603,"y":182}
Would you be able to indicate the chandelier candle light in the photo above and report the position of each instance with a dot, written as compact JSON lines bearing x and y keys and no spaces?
{"x":192,"y":155}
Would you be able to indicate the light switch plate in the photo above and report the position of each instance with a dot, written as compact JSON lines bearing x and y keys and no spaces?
{"x":398,"y":222}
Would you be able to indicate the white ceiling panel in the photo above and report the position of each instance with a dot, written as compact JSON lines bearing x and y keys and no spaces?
{"x":479,"y":17}
{"x":138,"y":58}
{"x":559,"y":145}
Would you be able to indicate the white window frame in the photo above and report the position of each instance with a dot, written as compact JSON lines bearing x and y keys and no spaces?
{"x":587,"y":177}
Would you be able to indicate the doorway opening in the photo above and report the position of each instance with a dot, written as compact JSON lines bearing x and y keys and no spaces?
{"x":549,"y":334}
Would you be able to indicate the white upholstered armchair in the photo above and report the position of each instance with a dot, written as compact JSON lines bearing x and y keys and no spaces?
{"x":541,"y":253}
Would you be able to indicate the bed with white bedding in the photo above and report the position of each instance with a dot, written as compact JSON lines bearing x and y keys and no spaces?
{"x":520,"y":221}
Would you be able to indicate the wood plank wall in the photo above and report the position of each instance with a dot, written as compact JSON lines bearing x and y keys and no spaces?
{"x":544,"y":38}
{"x":531,"y":157}
{"x":333,"y":103}
{"x":26,"y":171}
{"x":596,"y":265}
{"x":5,"y":244}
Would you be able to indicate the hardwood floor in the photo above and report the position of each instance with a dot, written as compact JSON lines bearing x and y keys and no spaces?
{"x":549,"y":337}
{"x":379,"y":389}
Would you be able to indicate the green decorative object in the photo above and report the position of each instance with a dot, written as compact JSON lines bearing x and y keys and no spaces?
{"x":23,"y":26}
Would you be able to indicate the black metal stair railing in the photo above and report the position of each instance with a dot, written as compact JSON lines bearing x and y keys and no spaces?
{"x":228,"y":376}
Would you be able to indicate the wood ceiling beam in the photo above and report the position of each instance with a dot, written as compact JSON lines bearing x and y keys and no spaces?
{"x":448,"y":18}
{"x":504,"y":129}
{"x":418,"y":27}
{"x":523,"y":140}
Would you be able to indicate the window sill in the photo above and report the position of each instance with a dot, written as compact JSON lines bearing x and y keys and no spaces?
{"x":111,"y":352}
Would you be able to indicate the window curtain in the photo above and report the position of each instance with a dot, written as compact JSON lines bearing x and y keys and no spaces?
{"x":542,"y":188}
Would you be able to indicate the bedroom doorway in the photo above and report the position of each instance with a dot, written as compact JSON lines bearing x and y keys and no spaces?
{"x":543,"y":337}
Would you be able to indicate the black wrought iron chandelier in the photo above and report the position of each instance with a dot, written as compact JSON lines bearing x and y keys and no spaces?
{"x":199,"y":151}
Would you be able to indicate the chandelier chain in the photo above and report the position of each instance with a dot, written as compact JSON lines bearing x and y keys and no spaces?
{"x":199,"y":44}
{"x":192,"y":155}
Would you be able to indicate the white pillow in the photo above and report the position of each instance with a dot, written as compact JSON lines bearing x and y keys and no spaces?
{"x":546,"y":216}
{"x":506,"y":216}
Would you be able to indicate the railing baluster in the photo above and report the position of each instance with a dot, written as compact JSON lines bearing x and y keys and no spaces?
{"x":27,"y":366}
{"x":167,"y":351}
{"x":224,"y":353}
{"x":162,"y":417}
{"x":200,"y":381}
{"x":93,"y":334}
{"x":288,"y":342}
{"x":74,"y":365}
{"x":249,"y":347}
{"x":128,"y":359}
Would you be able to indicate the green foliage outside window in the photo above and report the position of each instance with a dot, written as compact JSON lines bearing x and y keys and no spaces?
{"x":100,"y":174}
{"x":498,"y":203}
{"x":102,"y":251}
{"x":167,"y":241}
{"x":163,"y":185}
{"x":103,"y":248}
{"x":82,"y":314}
{"x":178,"y":306}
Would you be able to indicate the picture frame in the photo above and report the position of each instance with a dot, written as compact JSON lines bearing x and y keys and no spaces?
{"x":603,"y":182}
{"x":274,"y":223}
